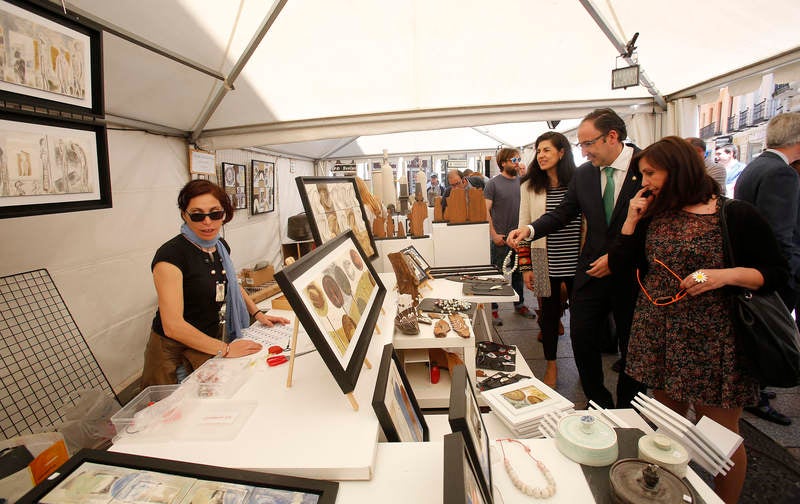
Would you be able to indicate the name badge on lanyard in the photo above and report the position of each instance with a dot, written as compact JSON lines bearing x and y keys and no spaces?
{"x":220,"y":292}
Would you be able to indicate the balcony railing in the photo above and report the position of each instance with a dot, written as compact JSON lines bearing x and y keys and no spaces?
{"x":743,"y":118}
{"x":759,"y":111}
{"x":709,"y":130}
{"x":731,"y":123}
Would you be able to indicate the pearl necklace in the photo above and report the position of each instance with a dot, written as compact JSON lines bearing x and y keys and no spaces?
{"x":535,"y":492}
{"x":507,"y":260}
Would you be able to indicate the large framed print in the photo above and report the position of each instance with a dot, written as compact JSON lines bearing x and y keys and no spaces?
{"x":51,"y":166}
{"x":94,"y":477}
{"x":263,"y":187}
{"x":395,"y":404}
{"x":465,"y":416}
{"x":337,"y":296}
{"x":49,"y":59}
{"x":460,"y":476}
{"x":234,"y":178}
{"x":334,"y":205}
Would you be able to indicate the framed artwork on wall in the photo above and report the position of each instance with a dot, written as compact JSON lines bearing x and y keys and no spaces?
{"x":337,"y":296}
{"x":51,"y":166}
{"x":101,"y":476}
{"x":263,"y":174}
{"x":395,"y":404}
{"x":202,"y":163}
{"x":461,"y":477}
{"x":49,"y":59}
{"x":333,"y":205}
{"x":465,"y":417}
{"x":233,"y":181}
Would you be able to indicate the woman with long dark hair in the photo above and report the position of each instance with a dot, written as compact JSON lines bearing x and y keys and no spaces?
{"x":549,"y":263}
{"x":682,"y":342}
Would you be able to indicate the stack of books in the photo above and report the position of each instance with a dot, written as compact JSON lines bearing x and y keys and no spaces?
{"x":522,"y":406}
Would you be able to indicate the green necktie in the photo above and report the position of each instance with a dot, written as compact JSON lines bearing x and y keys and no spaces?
{"x":608,"y":194}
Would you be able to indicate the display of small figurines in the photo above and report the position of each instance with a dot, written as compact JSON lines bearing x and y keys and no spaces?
{"x":406,"y":318}
{"x":458,"y":324}
{"x":452,"y":305}
{"x":441,"y":328}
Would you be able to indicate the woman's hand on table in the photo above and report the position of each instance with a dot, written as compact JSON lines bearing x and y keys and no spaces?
{"x":270,"y":320}
{"x":242,"y":347}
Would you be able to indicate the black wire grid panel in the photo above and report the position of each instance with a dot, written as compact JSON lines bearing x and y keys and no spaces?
{"x":44,"y":358}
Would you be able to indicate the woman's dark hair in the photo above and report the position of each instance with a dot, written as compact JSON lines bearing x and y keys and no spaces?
{"x":538,"y":179}
{"x":196,"y":188}
{"x":687,"y":181}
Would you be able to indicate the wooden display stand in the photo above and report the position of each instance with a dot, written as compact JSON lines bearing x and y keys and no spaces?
{"x":456,"y":210}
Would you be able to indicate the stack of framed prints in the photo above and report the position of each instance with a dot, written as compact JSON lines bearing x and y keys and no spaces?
{"x":461,"y":477}
{"x":522,"y":406}
{"x":51,"y":63}
{"x":333,"y":206}
{"x":99,"y":477}
{"x":465,"y":417}
{"x":395,"y":404}
{"x":337,"y":296}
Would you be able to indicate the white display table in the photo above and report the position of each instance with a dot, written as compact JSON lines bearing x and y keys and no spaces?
{"x":307,"y":430}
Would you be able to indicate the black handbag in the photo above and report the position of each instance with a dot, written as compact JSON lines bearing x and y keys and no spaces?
{"x":766,"y":334}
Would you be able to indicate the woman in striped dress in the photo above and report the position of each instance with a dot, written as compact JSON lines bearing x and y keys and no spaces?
{"x":553,"y":259}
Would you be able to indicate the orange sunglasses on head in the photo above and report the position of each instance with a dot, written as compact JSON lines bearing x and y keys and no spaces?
{"x":662,"y":300}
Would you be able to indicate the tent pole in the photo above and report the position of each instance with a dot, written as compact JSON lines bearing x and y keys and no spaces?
{"x":620,"y":47}
{"x":227,"y":84}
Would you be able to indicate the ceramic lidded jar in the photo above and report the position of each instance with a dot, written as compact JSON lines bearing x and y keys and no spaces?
{"x":586,"y":440}
{"x":664,"y":452}
{"x":634,"y":481}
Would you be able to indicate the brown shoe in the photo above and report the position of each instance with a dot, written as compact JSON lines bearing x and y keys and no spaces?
{"x":550,"y":374}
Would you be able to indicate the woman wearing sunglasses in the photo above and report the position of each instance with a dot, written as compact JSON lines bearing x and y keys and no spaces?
{"x":552,"y":261}
{"x":193,"y":275}
{"x":682,"y":339}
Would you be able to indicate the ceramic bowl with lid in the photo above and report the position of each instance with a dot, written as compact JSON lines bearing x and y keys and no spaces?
{"x":586,"y":440}
{"x":634,"y":481}
{"x":665,"y":452}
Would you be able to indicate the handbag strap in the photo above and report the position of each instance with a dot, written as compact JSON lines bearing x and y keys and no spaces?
{"x":727,"y":249}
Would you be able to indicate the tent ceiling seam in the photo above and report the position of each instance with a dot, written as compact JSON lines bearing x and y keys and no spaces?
{"x":117,"y":31}
{"x":266,"y":24}
{"x":493,"y":137}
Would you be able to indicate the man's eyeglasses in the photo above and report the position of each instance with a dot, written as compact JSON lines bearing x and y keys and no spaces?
{"x":515,"y":159}
{"x":589,"y":143}
{"x":200,"y":217}
{"x":662,"y":300}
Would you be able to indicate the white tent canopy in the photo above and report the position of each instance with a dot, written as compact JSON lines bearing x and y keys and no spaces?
{"x":316,"y":70}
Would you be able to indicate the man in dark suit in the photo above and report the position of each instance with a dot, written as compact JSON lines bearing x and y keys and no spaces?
{"x":601,"y":190}
{"x":773,"y":186}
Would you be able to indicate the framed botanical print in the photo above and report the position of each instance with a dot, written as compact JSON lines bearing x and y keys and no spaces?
{"x":460,"y":475}
{"x":50,"y":59}
{"x":394,"y":402}
{"x":233,"y":181}
{"x":465,"y":417}
{"x":333,"y":205}
{"x":95,"y":477}
{"x":337,"y":296}
{"x":51,"y":166}
{"x":263,"y":174}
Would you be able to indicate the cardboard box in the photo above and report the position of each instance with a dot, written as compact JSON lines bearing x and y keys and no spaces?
{"x":254,"y":278}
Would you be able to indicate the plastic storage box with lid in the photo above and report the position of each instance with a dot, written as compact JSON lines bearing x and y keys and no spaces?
{"x":219,"y":378}
{"x":129,"y":419}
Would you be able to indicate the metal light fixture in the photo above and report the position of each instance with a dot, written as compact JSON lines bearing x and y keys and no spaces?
{"x":625,"y":77}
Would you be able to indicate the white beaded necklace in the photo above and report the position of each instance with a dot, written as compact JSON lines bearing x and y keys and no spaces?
{"x":536,"y":492}
{"x":507,"y":260}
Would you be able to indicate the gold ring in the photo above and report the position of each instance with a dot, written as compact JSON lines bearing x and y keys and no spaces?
{"x":699,"y":276}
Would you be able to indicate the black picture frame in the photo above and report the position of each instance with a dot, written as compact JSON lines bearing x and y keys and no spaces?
{"x":397,"y":414}
{"x":325,"y":491}
{"x":263,"y":186}
{"x":234,"y":181}
{"x":55,"y":60}
{"x":461,"y":479}
{"x":44,"y":148}
{"x":317,"y":286}
{"x":331,"y":214}
{"x":464,"y":415}
{"x":416,"y":263}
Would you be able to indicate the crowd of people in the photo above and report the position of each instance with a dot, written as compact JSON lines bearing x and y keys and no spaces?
{"x":631,"y":236}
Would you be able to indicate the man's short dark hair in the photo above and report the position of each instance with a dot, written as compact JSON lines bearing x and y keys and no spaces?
{"x":605,"y":120}
{"x":697,"y":143}
{"x":730,"y":149}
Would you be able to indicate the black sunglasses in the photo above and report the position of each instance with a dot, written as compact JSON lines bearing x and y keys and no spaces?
{"x":200,"y":217}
